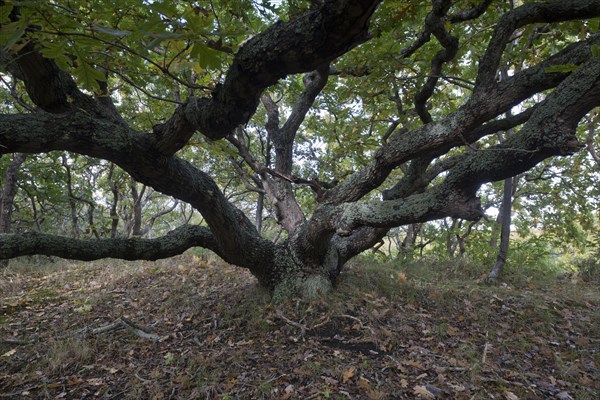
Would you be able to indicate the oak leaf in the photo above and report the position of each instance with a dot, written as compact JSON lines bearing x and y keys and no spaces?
{"x":422,"y":392}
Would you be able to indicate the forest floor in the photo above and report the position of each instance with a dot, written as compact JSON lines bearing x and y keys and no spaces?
{"x":187,"y":328}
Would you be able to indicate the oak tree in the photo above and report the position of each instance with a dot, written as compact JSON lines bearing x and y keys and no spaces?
{"x":394,"y":122}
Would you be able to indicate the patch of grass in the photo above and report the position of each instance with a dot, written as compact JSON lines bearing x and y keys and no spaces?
{"x":434,"y":270}
{"x":43,"y":294}
{"x":384,"y":280}
{"x":67,"y":354}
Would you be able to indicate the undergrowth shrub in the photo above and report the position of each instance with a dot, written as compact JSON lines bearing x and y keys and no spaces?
{"x":588,"y":267}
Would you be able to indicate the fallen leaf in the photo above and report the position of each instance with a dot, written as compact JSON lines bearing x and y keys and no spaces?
{"x":581,"y":341}
{"x":348,"y":374}
{"x":564,"y":396}
{"x":329,"y":380}
{"x":510,"y":395}
{"x":54,"y":385}
{"x":288,"y":392}
{"x":413,"y":363}
{"x":457,"y":388}
{"x":585,"y":380}
{"x":435,"y":390}
{"x":74,"y":381}
{"x":364,"y":384}
{"x":452,"y":331}
{"x":10,"y":353}
{"x":422,"y":392}
{"x":86,"y":308}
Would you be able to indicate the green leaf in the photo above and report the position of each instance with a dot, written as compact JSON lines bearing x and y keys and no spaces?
{"x":205,"y":56}
{"x":56,"y":52}
{"x":166,"y":35}
{"x":7,"y":41}
{"x":89,"y":76}
{"x":595,"y":50}
{"x":112,"y":32}
{"x":562,"y":68}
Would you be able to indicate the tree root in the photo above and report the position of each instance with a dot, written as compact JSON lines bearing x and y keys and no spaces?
{"x":303,"y":328}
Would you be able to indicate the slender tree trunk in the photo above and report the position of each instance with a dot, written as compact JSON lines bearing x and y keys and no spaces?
{"x":495,"y":235}
{"x":505,"y":220}
{"x":259,"y":211}
{"x":407,"y":247}
{"x":138,"y":205}
{"x":451,"y":237}
{"x":71,"y":198}
{"x":114,"y":217}
{"x":260,"y":202}
{"x":7,"y":196}
{"x":589,"y":141}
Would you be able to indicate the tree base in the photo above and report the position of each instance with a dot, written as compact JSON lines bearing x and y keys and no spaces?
{"x":307,"y":287}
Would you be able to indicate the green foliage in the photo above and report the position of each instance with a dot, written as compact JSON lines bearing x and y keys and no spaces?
{"x":157,"y":47}
{"x":587,"y":268}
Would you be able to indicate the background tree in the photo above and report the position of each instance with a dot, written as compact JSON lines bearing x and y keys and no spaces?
{"x":205,"y":105}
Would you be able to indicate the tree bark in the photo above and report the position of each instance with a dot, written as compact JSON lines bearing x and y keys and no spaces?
{"x":137,"y":199}
{"x":114,"y":216}
{"x":71,"y":198}
{"x":505,"y":221}
{"x":8,"y":192}
{"x":589,"y":141}
{"x":259,"y":212}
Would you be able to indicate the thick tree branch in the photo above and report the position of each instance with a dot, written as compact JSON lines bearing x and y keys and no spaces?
{"x":278,"y":182}
{"x":472,"y":13}
{"x":134,"y":153}
{"x":314,"y":82}
{"x":452,"y":130}
{"x":420,"y":172}
{"x":303,"y":44}
{"x":552,"y":11}
{"x":173,"y":243}
{"x":550,"y":131}
{"x":436,"y":203}
{"x":47,"y":86}
{"x":412,"y":182}
{"x":435,"y":24}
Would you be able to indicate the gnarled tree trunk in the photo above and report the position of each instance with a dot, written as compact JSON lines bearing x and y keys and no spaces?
{"x":347,"y":219}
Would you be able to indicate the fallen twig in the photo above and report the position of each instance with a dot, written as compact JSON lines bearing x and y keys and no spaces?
{"x":137,"y":329}
{"x":17,"y":341}
{"x":302,"y":327}
{"x":362,"y":326}
{"x":486,"y":348}
{"x":85,"y":332}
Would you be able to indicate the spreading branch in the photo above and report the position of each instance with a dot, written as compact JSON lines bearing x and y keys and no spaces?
{"x":303,"y":44}
{"x":173,"y":243}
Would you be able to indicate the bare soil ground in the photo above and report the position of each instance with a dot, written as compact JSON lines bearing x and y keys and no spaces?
{"x":188,"y":328}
